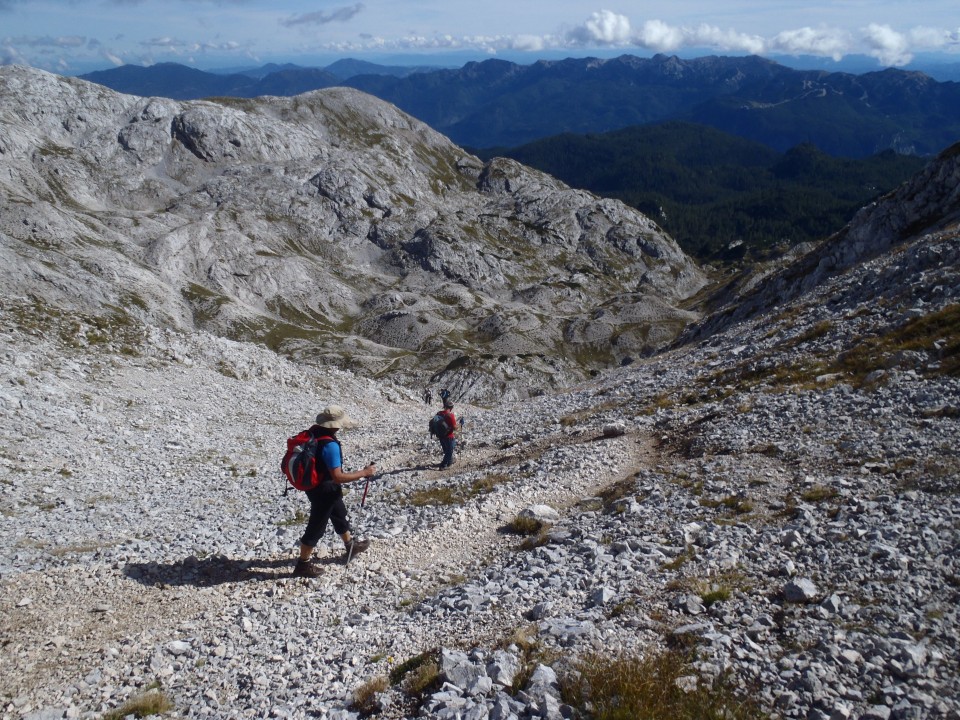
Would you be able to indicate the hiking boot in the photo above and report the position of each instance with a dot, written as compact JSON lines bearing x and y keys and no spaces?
{"x":306,"y":569}
{"x":355,"y":547}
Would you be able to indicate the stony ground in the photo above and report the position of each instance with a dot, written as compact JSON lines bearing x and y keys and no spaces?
{"x":771,"y":497}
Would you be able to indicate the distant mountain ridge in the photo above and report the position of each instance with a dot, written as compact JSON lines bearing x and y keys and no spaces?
{"x":500,"y":103}
{"x":180,"y":82}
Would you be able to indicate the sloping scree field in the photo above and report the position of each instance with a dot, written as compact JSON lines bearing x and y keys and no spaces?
{"x":781,"y":499}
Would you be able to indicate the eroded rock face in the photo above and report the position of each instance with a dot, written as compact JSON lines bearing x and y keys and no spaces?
{"x":284,"y":220}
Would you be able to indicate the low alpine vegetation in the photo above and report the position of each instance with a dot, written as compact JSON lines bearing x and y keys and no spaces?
{"x":535,"y":532}
{"x":689,"y":554}
{"x":714,"y":593}
{"x":299,"y":518}
{"x":365,"y":696}
{"x":417,"y":674}
{"x":524,"y":525}
{"x":818,"y":493}
{"x":454,"y":494}
{"x":660,"y":685}
{"x":149,"y":703}
{"x":735,"y":504}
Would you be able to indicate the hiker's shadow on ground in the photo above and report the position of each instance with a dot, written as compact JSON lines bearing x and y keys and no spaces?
{"x":214,"y":570}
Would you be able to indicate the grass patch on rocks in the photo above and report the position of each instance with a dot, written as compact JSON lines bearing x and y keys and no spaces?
{"x":658,"y":685}
{"x":733,"y":504}
{"x":929,"y":344}
{"x":534,"y":532}
{"x":299,"y":518}
{"x":149,"y":703}
{"x":818,"y":494}
{"x":524,"y":525}
{"x":417,"y":674}
{"x":937,"y":334}
{"x":524,"y":642}
{"x":613,"y":495}
{"x":714,"y":593}
{"x":365,"y":696}
{"x":454,"y":494}
{"x":680,"y":560}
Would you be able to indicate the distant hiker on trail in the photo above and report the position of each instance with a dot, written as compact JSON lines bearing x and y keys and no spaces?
{"x":443,"y":425}
{"x":428,"y":396}
{"x":326,"y":499}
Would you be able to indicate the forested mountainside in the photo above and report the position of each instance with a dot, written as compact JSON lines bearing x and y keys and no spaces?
{"x":720,"y":196}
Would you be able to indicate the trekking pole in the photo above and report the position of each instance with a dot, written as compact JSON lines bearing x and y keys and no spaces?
{"x":366,"y":487}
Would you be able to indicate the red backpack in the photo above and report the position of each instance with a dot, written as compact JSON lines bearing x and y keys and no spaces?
{"x":301,"y":464}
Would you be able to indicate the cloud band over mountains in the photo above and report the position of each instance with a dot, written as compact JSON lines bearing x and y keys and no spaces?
{"x":341,"y":29}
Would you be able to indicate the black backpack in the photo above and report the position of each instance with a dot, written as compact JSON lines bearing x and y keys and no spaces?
{"x":439,"y":426}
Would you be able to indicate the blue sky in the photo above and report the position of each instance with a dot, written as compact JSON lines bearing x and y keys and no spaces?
{"x":72,"y":36}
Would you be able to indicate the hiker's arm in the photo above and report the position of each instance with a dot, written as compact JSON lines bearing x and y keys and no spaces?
{"x":341,"y":478}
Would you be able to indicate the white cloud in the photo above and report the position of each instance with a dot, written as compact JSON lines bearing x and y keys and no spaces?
{"x":659,"y":36}
{"x":710,"y":36}
{"x":63,"y":41}
{"x":887,"y":45}
{"x":527,"y":43}
{"x":602,"y":28}
{"x":824,"y":42}
{"x":11,"y":56}
{"x":111,"y":57}
{"x":928,"y":38}
{"x":165,"y":43}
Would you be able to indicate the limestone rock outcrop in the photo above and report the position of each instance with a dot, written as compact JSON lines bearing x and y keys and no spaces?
{"x":330,"y":226}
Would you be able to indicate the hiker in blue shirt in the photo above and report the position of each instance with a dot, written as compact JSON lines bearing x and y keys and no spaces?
{"x":326,"y":499}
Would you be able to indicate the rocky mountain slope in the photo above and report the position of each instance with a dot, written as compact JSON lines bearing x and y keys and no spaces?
{"x":329,"y":226}
{"x":770,"y":512}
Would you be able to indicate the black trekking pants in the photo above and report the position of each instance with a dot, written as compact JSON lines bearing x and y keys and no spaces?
{"x":326,"y":503}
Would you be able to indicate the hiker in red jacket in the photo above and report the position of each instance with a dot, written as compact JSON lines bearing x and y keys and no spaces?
{"x":448,"y":440}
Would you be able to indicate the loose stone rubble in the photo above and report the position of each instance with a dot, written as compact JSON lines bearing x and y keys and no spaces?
{"x":800,"y":530}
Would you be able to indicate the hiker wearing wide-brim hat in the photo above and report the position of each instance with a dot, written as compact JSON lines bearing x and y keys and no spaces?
{"x":326,"y":499}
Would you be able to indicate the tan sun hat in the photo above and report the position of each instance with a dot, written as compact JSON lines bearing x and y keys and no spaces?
{"x":334,"y":416}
